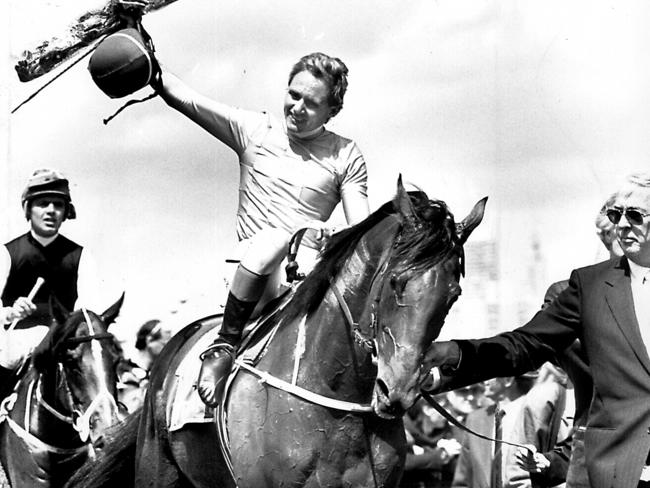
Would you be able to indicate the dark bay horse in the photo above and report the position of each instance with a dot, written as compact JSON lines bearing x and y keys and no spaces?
{"x":63,"y":401}
{"x":324,"y":404}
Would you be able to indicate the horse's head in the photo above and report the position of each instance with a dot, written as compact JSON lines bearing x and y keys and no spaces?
{"x":416,"y":284}
{"x":77,"y":364}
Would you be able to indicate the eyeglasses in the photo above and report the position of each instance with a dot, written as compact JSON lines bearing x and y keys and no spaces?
{"x":633,"y":215}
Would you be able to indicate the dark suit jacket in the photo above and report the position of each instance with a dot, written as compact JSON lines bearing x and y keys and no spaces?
{"x":598,"y":309}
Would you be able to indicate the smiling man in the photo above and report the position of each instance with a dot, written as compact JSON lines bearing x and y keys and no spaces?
{"x":607,"y":307}
{"x":41,"y":252}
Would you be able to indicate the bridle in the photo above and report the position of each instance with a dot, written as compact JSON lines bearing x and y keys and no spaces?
{"x":78,"y":418}
{"x":366,"y":341}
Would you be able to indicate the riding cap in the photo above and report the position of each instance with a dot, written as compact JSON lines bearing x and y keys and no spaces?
{"x":123,"y":63}
{"x":48,"y":182}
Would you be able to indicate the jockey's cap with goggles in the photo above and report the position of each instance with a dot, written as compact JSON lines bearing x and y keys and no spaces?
{"x":48,"y":182}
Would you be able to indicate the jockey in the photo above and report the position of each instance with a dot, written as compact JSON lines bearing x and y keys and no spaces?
{"x":40,"y":253}
{"x":291,"y":172}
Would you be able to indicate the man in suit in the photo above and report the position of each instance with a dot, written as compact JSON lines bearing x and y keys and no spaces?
{"x":607,"y":307}
{"x":566,"y":462}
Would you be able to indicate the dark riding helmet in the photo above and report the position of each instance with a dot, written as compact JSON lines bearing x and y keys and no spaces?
{"x":48,"y":182}
{"x":123,"y":63}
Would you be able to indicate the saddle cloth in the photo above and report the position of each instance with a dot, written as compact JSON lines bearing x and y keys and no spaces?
{"x":186,"y":405}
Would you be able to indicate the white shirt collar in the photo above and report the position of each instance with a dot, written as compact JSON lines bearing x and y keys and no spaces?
{"x":637,"y":273}
{"x":43,"y":241}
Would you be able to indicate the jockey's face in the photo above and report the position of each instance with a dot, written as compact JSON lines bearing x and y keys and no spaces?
{"x":306,"y":106}
{"x":46,"y":215}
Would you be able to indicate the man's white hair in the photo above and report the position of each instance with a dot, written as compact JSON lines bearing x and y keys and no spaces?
{"x":633,"y":183}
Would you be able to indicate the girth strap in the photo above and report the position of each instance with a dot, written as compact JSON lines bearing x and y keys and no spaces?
{"x":310,"y":396}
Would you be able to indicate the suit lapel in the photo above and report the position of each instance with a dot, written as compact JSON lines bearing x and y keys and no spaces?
{"x":620,"y":301}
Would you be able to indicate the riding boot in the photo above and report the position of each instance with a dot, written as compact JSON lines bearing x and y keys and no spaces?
{"x":217,"y":360}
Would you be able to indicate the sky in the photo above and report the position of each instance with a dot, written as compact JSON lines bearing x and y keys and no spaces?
{"x":540,"y":105}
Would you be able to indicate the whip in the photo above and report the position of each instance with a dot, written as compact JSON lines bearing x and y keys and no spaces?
{"x":30,"y":297}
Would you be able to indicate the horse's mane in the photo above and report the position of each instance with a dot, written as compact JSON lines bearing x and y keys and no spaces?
{"x":45,"y":354}
{"x":429,"y":237}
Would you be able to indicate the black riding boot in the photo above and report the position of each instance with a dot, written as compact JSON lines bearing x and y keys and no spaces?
{"x":218,"y":358}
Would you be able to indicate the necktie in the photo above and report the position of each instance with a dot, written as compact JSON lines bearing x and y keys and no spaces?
{"x":497,"y":466}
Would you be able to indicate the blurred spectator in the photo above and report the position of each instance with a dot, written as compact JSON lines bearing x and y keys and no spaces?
{"x":150,"y":340}
{"x":467,"y":399}
{"x":520,"y":413}
{"x":131,"y":385}
{"x":133,"y":377}
{"x":432,"y":442}
{"x":544,"y":419}
{"x":606,"y":230}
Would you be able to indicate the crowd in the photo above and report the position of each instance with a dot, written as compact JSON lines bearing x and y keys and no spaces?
{"x":530,"y":409}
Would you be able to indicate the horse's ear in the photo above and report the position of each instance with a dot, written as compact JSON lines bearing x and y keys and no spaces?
{"x":58,"y":310}
{"x":469,"y":223}
{"x":111,"y":313}
{"x":403,"y":202}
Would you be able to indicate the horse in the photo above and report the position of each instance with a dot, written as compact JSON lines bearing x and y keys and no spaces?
{"x":64,"y":400}
{"x":323,"y":405}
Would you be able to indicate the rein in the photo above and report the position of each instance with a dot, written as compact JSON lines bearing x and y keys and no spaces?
{"x":450,"y":418}
{"x":80,"y":420}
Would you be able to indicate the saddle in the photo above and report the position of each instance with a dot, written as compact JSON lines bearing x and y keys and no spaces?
{"x":186,"y":406}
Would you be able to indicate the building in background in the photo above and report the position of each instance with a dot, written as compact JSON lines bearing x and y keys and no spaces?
{"x":499,"y":292}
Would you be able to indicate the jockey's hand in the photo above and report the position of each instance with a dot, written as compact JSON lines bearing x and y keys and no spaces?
{"x":322,"y":232}
{"x":441,"y":360}
{"x":530,"y":460}
{"x":22,"y":307}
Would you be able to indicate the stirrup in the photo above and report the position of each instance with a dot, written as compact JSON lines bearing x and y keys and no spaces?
{"x":216,"y":346}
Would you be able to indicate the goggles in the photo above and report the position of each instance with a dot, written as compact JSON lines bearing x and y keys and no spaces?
{"x":633,"y":215}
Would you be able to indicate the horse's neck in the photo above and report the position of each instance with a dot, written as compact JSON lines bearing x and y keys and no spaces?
{"x":326,"y":356}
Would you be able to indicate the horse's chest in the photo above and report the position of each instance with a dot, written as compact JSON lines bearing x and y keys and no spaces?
{"x":307,"y":446}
